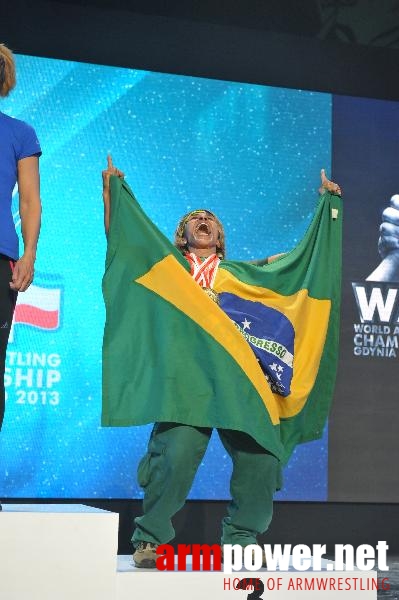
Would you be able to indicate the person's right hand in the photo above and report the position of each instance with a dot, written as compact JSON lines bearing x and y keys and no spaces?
{"x":110,"y":170}
{"x":389,"y":229}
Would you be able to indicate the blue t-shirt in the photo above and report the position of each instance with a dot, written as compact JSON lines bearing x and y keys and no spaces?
{"x":17,"y":140}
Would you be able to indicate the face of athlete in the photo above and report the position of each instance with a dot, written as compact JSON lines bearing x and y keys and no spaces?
{"x":202,"y":233}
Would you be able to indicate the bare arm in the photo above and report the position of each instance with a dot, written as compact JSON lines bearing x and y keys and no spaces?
{"x":326,"y":184}
{"x":106,"y":174}
{"x":30,"y":212}
{"x":266,"y":261}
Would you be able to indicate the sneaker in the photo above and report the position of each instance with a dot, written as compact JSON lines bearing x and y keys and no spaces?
{"x":145,"y":555}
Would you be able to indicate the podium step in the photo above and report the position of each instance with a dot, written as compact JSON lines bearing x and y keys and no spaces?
{"x":57,"y":552}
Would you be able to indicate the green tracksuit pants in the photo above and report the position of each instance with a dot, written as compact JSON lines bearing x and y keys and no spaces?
{"x":167,"y":471}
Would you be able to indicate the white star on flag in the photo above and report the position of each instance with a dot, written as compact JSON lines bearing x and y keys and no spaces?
{"x":246,"y":324}
{"x":277,"y":369}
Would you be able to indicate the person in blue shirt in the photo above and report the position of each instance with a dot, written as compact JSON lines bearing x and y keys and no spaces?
{"x":19,"y":164}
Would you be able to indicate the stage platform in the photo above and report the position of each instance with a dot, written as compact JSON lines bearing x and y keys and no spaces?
{"x":62,"y":551}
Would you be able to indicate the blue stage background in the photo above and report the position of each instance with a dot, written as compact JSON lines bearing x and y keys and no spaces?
{"x":250,"y":153}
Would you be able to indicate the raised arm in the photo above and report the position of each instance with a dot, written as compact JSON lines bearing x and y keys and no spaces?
{"x":326,"y":185}
{"x":329,"y":186}
{"x":106,"y":174}
{"x":388,"y":244}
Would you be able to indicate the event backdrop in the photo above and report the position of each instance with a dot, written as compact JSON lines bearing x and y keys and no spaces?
{"x":250,"y":153}
{"x":364,"y":441}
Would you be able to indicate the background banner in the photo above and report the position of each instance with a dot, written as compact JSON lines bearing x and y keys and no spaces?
{"x":183,"y":142}
{"x":365,"y":417}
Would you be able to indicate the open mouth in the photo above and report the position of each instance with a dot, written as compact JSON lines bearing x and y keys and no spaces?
{"x":203,"y":228}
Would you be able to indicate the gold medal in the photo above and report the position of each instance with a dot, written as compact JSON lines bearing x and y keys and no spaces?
{"x":212,"y":294}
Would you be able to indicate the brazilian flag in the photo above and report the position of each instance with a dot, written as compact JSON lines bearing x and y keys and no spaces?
{"x":262,"y":361}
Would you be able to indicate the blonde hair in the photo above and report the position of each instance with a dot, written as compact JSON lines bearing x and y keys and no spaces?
{"x":7,"y":71}
{"x":180,"y":241}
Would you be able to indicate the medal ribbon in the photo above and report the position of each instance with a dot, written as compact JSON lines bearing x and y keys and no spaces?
{"x":204,"y":272}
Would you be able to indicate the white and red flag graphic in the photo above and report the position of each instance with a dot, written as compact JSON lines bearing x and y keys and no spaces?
{"x":38,"y":307}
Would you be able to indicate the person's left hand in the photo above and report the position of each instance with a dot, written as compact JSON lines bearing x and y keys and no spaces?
{"x":23,"y":272}
{"x":328,"y":185}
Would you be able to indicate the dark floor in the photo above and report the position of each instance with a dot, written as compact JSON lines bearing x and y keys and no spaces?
{"x":393,"y":575}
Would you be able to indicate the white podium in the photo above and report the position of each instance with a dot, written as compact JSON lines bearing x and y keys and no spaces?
{"x":57,"y":552}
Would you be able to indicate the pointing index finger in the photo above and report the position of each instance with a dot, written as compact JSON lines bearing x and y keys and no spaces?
{"x":109,"y":161}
